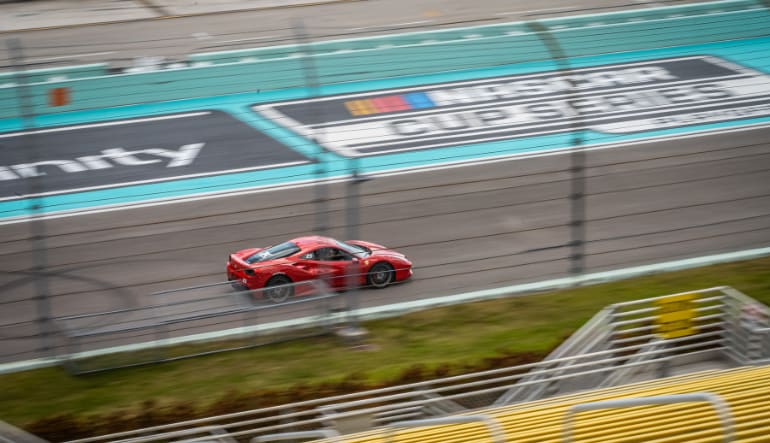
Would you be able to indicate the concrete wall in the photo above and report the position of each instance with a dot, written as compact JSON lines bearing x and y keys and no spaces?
{"x":281,"y":67}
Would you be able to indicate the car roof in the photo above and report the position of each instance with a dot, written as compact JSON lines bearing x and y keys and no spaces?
{"x":314,"y":241}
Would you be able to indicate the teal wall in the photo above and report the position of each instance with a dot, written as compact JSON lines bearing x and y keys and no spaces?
{"x":280,"y":67}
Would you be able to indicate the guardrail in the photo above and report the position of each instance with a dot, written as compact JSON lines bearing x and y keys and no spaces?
{"x":719,"y":405}
{"x":294,"y":436}
{"x":16,"y":361}
{"x":591,"y":337}
{"x":418,"y":401}
{"x":746,"y":329}
{"x":366,"y":408}
{"x":211,"y":318}
{"x":189,"y":313}
{"x":617,"y":327}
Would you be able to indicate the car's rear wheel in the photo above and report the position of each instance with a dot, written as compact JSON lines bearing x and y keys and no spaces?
{"x":380,"y":275}
{"x":277,"y":289}
{"x":236,"y":284}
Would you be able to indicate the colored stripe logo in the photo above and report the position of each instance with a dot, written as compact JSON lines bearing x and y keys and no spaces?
{"x":389,"y":103}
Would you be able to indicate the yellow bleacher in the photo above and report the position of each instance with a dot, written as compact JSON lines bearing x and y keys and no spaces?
{"x":746,"y":392}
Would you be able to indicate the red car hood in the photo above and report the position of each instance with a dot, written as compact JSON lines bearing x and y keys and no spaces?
{"x":387,"y":253}
{"x":377,"y":250}
{"x":366,"y":244}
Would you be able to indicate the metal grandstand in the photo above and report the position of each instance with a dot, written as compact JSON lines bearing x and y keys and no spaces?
{"x":708,"y":346}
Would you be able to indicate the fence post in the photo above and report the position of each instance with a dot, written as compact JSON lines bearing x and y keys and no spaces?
{"x":577,"y":154}
{"x":35,"y":199}
{"x":353,"y":221}
{"x":313,"y":86}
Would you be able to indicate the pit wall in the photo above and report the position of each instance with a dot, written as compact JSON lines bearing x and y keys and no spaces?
{"x":87,"y":87}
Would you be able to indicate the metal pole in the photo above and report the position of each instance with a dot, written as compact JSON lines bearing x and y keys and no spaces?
{"x":577,"y":157}
{"x":352,"y":221}
{"x":722,"y":409}
{"x":313,"y":86}
{"x":328,"y":434}
{"x":321,"y":192}
{"x":577,"y":207}
{"x":36,"y":203}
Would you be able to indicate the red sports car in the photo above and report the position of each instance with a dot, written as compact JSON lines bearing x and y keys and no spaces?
{"x":338,"y":263}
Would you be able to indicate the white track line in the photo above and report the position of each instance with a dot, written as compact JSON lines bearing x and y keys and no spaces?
{"x":104,"y":124}
{"x":387,"y":173}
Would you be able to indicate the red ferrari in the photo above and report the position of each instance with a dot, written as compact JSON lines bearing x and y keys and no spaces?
{"x":337,"y":263}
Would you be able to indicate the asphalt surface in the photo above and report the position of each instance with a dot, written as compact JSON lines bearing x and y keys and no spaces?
{"x":467,"y":228}
{"x":137,"y":150}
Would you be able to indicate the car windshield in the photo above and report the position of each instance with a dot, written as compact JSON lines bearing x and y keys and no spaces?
{"x":274,"y":252}
{"x":355,"y":250}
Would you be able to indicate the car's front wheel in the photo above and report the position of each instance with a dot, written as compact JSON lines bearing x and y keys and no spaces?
{"x":277,"y":289}
{"x":380,"y":275}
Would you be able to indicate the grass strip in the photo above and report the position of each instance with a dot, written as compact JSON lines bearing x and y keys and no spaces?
{"x":460,"y":336}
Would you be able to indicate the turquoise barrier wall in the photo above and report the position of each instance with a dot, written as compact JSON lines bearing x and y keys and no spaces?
{"x":280,"y":67}
{"x":54,"y":74}
{"x":709,"y":21}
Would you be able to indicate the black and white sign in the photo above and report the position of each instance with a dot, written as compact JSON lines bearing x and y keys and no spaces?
{"x":617,"y":99}
{"x":135,"y":151}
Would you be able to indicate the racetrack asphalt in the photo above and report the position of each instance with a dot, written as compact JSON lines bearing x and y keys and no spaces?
{"x":466,"y":228}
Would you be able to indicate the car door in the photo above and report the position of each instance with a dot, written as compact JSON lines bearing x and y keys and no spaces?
{"x":336,"y":265}
{"x":306,"y":267}
{"x":318,"y":265}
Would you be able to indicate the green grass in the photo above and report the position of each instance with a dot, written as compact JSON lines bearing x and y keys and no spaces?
{"x":460,"y":336}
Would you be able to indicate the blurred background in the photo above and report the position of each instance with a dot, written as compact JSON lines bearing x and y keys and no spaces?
{"x":495,"y":143}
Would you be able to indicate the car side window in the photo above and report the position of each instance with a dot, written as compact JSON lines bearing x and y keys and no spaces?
{"x":332,"y":254}
{"x":309,"y":256}
{"x":325,"y":254}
